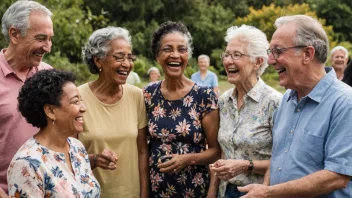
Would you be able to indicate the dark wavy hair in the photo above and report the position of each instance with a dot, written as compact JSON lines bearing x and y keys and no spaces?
{"x":167,"y":28}
{"x":44,"y":87}
{"x":347,"y":77}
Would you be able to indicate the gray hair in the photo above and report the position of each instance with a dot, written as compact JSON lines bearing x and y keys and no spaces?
{"x":17,"y":15}
{"x":99,"y":43}
{"x":309,"y":32}
{"x":339,"y":48}
{"x":153,"y":69}
{"x":256,"y":40}
{"x":204,"y":56}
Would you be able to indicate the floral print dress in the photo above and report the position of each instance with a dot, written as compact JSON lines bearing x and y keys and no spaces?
{"x":175,"y":128}
{"x":36,"y":171}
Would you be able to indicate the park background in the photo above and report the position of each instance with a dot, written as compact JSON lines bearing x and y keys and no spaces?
{"x":207,"y":21}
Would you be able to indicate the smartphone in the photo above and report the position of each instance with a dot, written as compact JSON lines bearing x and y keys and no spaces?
{"x":165,"y":158}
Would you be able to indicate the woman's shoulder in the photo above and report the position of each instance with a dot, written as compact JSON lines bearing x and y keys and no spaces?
{"x":152,"y":86}
{"x":29,"y":152}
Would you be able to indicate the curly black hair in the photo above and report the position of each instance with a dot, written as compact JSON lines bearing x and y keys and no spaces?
{"x":167,"y":28}
{"x":347,"y":77}
{"x":44,"y":87}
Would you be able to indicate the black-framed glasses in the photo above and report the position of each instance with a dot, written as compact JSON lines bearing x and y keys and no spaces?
{"x":122,"y":57}
{"x":276,"y":52}
{"x":234,"y":56}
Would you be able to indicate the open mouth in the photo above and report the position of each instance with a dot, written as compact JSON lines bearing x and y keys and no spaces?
{"x":38,"y":54}
{"x":174,"y":64}
{"x":79,"y":119}
{"x":232,"y":70}
{"x":124,"y":73}
{"x":279,"y":71}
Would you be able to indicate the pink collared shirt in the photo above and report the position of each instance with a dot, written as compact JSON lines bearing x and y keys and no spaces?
{"x":14,"y":129}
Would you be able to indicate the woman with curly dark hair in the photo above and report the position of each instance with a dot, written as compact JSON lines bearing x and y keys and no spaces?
{"x":182,"y":114}
{"x":51,"y":163}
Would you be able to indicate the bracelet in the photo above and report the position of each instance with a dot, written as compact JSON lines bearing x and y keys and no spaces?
{"x":95,"y":160}
{"x":250,"y":166}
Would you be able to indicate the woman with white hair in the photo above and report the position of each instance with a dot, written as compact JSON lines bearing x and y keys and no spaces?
{"x":153,"y":74}
{"x":246,"y":112}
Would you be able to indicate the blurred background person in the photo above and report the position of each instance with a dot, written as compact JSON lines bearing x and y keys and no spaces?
{"x":181,"y":116}
{"x":246,"y":112}
{"x":339,"y":59}
{"x":28,"y":29}
{"x":117,"y":117}
{"x":347,"y":77}
{"x":51,"y":163}
{"x":204,"y":76}
{"x":153,"y":74}
{"x":133,"y":78}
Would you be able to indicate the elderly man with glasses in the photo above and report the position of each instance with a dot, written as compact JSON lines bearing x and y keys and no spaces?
{"x":311,"y":154}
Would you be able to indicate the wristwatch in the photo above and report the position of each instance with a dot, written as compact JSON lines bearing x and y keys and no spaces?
{"x":250,"y":166}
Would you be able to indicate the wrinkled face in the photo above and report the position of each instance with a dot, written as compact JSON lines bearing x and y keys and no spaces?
{"x":69,"y":116}
{"x":113,"y":70}
{"x":339,"y":60}
{"x":289,"y":64}
{"x":173,"y":55}
{"x":32,"y":47}
{"x":154,"y":76}
{"x":203,"y":64}
{"x":238,"y":70}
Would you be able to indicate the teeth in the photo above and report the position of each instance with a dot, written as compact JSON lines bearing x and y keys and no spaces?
{"x":174,"y":63}
{"x":39,"y":54}
{"x":280,"y":70}
{"x":79,"y":119}
{"x":122,"y":72}
{"x":232,"y":70}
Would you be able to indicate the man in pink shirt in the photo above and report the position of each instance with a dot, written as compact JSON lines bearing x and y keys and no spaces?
{"x":27,"y":27}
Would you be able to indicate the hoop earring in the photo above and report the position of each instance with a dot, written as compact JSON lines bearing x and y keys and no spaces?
{"x":54,"y":121}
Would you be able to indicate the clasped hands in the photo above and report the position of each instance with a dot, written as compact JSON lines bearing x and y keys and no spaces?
{"x":106,"y":159}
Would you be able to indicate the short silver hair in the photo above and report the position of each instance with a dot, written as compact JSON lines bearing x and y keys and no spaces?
{"x":17,"y":15}
{"x":153,"y":69}
{"x":204,"y":56}
{"x":339,"y":48}
{"x":256,"y":41}
{"x":100,"y":42}
{"x":309,"y":32}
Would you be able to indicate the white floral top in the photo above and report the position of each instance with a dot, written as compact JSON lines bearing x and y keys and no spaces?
{"x":246,"y":133}
{"x":36,"y":171}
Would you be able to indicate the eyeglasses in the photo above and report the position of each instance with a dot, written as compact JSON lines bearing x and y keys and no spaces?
{"x":122,"y":57}
{"x":234,"y":56}
{"x":169,"y":50}
{"x":276,"y":52}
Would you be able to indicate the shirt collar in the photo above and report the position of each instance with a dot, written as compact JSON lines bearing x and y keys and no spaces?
{"x":255,"y":93}
{"x":318,"y":91}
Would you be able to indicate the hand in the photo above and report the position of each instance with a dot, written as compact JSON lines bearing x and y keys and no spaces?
{"x":3,"y":194}
{"x":175,"y":164}
{"x":106,"y":160}
{"x":254,"y":191}
{"x":227,"y":169}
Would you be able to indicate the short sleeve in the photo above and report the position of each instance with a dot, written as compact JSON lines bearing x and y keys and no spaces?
{"x":23,"y":178}
{"x":208,"y":101}
{"x":142,"y":114}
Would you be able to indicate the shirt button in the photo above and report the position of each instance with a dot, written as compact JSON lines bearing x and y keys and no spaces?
{"x":291,"y":131}
{"x":279,"y":169}
{"x":285,"y":151}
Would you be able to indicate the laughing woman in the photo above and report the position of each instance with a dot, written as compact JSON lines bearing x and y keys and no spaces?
{"x":246,"y":111}
{"x":51,"y":163}
{"x":116,"y":119}
{"x":181,"y":116}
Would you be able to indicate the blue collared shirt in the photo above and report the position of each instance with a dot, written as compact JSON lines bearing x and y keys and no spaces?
{"x":211,"y":80}
{"x":314,"y":134}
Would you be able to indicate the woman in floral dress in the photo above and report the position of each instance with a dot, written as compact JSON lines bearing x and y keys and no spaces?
{"x":51,"y":163}
{"x":182,"y":115}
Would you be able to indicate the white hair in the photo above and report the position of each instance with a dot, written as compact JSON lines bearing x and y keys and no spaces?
{"x":153,"y":69}
{"x":204,"y":56}
{"x":339,"y":48}
{"x":256,"y":41}
{"x":309,"y":32}
{"x":17,"y":15}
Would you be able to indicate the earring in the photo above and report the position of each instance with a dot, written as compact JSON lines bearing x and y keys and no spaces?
{"x":54,"y":121}
{"x":99,"y":69}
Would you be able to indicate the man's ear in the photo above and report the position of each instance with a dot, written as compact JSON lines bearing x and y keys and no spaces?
{"x":14,"y":34}
{"x":308,"y":54}
{"x":49,"y":111}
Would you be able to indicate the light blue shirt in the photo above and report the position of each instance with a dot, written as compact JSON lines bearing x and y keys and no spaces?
{"x":211,"y":80}
{"x":314,"y":134}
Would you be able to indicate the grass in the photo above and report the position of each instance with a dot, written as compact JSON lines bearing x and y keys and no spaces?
{"x":224,"y":85}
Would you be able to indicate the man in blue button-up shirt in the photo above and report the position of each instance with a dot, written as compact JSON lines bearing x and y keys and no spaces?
{"x":312,"y":138}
